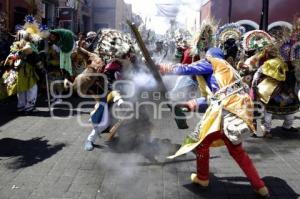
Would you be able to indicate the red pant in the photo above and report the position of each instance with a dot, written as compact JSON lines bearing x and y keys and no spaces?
{"x":236,"y":151}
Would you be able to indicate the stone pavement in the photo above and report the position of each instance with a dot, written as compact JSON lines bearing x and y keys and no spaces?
{"x":43,"y":157}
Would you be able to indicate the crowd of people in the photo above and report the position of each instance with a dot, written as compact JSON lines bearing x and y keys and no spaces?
{"x":231,"y":68}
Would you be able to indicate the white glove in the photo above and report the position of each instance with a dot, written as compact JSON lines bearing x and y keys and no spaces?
{"x":120,"y":102}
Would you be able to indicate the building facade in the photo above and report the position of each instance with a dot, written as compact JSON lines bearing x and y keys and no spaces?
{"x":49,"y":12}
{"x":111,"y":14}
{"x":85,"y":15}
{"x":247,"y":13}
{"x":192,"y":21}
{"x":75,"y":15}
{"x":43,"y":10}
{"x":16,"y":11}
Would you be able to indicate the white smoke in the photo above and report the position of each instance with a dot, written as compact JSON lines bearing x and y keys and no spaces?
{"x":160,"y":24}
{"x":143,"y":80}
{"x":140,"y":80}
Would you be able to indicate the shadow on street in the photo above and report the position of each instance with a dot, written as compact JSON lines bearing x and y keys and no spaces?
{"x":16,"y":154}
{"x":237,"y":185}
{"x":279,"y":133}
{"x":8,"y":109}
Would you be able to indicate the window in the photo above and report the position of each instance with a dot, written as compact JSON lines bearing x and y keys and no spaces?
{"x":19,"y":15}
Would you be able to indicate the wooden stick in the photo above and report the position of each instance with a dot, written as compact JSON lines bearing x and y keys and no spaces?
{"x":113,"y":130}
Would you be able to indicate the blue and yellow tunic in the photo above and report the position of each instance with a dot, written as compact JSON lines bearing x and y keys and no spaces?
{"x":217,"y":75}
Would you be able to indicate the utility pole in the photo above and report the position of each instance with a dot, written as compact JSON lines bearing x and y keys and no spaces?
{"x":200,"y":12}
{"x":229,"y":11}
{"x":264,"y":20}
{"x":7,"y":10}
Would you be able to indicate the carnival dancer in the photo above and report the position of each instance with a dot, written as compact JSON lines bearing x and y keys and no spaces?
{"x":64,"y":39}
{"x":228,"y":38}
{"x":117,"y":49}
{"x":184,"y":53}
{"x":21,"y":79}
{"x":183,"y":47}
{"x":91,"y":40}
{"x":200,"y":43}
{"x":79,"y":59}
{"x":254,"y":44}
{"x":160,"y":52}
{"x":228,"y":114}
{"x":268,"y":74}
{"x":274,"y":84}
{"x":295,"y":52}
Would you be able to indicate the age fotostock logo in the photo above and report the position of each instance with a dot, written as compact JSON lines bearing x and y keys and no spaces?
{"x":130,"y":102}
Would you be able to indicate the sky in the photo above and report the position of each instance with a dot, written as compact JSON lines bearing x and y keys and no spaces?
{"x":148,"y":10}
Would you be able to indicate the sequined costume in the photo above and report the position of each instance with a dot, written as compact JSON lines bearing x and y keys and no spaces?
{"x":21,"y":78}
{"x":65,"y":41}
{"x":200,"y":43}
{"x":229,"y":99}
{"x":117,"y":56}
{"x":274,"y":84}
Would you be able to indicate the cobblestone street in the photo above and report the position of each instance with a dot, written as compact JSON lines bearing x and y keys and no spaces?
{"x":43,"y":157}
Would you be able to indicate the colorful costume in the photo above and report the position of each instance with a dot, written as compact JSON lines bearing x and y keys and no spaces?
{"x":274,"y":85}
{"x":183,"y":83}
{"x":116,"y":55}
{"x":54,"y":72}
{"x":113,"y":44}
{"x":21,"y":79}
{"x":201,"y":42}
{"x":295,"y":52}
{"x":100,"y":117}
{"x":66,"y":45}
{"x":228,"y":39}
{"x":183,"y":50}
{"x":227,"y":115}
{"x":253,"y":43}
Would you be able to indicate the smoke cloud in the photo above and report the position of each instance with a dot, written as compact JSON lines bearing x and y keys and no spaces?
{"x":160,"y":23}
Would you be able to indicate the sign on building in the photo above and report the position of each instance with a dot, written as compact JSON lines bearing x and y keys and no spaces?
{"x":65,"y":13}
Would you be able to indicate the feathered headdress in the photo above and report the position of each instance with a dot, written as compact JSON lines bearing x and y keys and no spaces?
{"x":114,"y":44}
{"x":208,"y":27}
{"x":229,"y":31}
{"x":285,"y":50}
{"x":295,"y":40}
{"x":182,"y":36}
{"x":296,"y":29}
{"x":256,"y":40}
{"x":44,"y":31}
{"x":32,"y":27}
{"x":204,"y":39}
{"x":295,"y":51}
{"x":281,"y":35}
